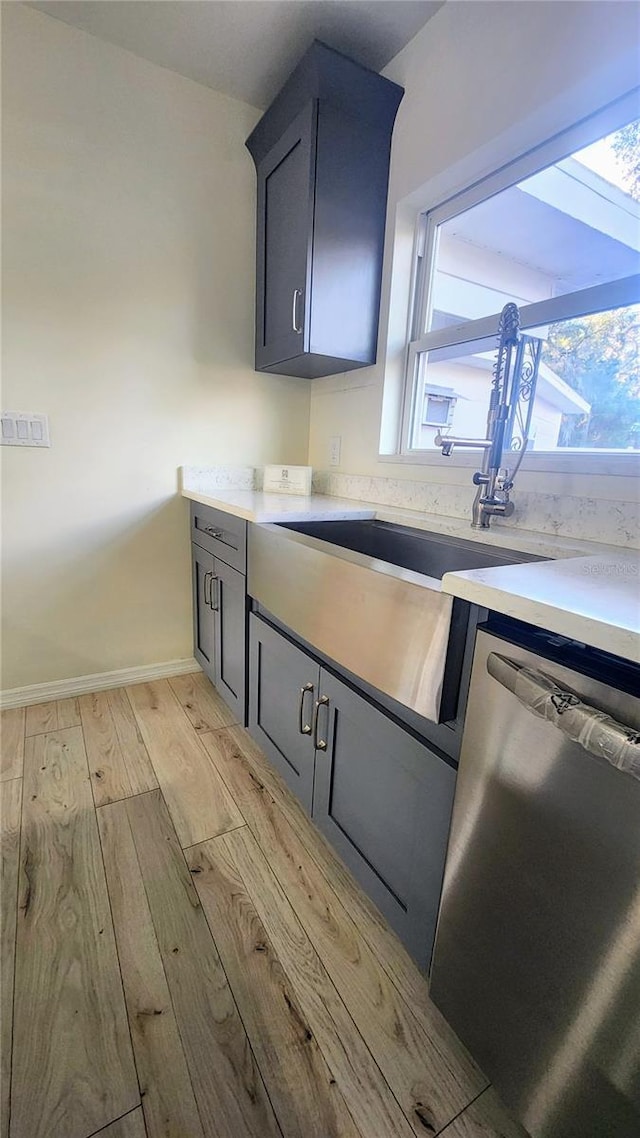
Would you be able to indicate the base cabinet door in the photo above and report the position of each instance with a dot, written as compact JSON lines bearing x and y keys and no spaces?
{"x":204,"y":617}
{"x":384,"y":801}
{"x":283,"y":687}
{"x":229,"y":601}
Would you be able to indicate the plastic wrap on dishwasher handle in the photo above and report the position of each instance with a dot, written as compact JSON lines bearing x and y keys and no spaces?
{"x":594,"y":730}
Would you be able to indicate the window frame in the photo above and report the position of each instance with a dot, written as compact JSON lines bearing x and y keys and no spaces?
{"x":583,"y":302}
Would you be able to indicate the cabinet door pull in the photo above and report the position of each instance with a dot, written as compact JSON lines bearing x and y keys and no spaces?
{"x":208,"y":577}
{"x":215,"y":607}
{"x":304,"y":728}
{"x":319,"y":744}
{"x":297,"y":293}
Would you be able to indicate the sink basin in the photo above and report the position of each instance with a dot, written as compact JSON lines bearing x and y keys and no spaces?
{"x":428,"y":553}
{"x":367,"y":595}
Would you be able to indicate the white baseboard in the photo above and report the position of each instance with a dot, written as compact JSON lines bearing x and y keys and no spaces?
{"x":99,"y":681}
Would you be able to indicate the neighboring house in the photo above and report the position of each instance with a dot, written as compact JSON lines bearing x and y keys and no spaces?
{"x":456,"y":397}
{"x":562,"y":229}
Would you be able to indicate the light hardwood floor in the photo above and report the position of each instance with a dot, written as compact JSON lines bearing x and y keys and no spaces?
{"x":184,"y":956}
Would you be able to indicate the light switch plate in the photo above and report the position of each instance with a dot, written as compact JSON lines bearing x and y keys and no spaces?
{"x":287,"y":479}
{"x":24,"y":429}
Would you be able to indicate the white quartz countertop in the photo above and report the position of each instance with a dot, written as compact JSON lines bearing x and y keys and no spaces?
{"x":255,"y":506}
{"x":595,"y":600}
{"x":589,"y":592}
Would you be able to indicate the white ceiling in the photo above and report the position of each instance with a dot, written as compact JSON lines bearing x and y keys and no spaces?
{"x":246,"y":48}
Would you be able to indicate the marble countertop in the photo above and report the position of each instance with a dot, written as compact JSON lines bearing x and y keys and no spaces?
{"x":589,"y":592}
{"x":256,"y":506}
{"x":595,"y":600}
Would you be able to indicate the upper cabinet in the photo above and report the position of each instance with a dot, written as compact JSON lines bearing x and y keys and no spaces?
{"x":322,"y":159}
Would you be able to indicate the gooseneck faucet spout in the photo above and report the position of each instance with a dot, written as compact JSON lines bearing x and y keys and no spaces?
{"x":448,"y":442}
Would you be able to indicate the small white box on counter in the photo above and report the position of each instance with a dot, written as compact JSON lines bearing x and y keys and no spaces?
{"x":287,"y":479}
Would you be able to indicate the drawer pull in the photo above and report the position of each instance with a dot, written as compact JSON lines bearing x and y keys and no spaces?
{"x":213,"y":532}
{"x":319,"y":744}
{"x":304,"y":728}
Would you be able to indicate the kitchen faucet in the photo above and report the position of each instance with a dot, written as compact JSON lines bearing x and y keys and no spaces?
{"x":493,"y":481}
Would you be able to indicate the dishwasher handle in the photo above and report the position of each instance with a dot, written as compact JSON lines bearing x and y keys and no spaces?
{"x":594,"y":730}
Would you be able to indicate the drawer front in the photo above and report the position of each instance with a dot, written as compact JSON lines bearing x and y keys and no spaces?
{"x":221,"y":534}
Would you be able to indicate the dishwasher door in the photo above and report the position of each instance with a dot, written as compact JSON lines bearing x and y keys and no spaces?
{"x":537,"y":955}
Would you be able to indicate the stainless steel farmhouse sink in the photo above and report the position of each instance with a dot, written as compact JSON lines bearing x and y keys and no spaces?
{"x":428,"y":553}
{"x":367,"y":594}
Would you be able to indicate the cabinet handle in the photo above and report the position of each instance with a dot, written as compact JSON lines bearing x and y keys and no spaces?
{"x":304,"y":728}
{"x":213,"y":532}
{"x":208,"y":577}
{"x":319,"y":744}
{"x":297,"y":293}
{"x":215,"y":607}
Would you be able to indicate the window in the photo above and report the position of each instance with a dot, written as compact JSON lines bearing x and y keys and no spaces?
{"x":561,"y":238}
{"x":439,"y":406}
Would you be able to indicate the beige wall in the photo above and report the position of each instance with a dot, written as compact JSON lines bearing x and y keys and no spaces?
{"x":128,"y":201}
{"x":484,"y":82}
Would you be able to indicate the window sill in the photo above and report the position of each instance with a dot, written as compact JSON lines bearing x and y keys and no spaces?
{"x":579,"y":462}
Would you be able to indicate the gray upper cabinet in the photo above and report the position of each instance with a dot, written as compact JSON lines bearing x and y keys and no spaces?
{"x":285,"y":203}
{"x":220,"y":602}
{"x":322,"y":160}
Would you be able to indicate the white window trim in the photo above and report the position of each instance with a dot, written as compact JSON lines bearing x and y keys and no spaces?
{"x":599,"y":298}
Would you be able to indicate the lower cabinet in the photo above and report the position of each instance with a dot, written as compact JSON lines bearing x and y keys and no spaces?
{"x":283,"y":686}
{"x":381,"y":797}
{"x":202,"y":571}
{"x":219,"y":618}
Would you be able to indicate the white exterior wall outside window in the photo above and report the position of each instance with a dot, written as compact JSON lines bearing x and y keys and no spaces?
{"x":563,"y":242}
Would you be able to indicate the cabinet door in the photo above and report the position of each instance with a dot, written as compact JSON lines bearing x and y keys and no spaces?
{"x":285,"y":228}
{"x":384,"y":801}
{"x":203,"y":615}
{"x":229,"y":601}
{"x":283,"y":685}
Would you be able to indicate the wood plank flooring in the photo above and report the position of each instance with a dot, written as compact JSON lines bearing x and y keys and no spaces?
{"x":198,"y":799}
{"x":70,"y":1023}
{"x":129,"y":1126}
{"x":118,"y":759}
{"x":12,"y":743}
{"x":169,"y":1101}
{"x":58,"y":714}
{"x":10,"y":804}
{"x":184,"y":956}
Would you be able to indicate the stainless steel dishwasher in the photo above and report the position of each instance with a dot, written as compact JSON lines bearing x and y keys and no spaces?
{"x":537,"y":954}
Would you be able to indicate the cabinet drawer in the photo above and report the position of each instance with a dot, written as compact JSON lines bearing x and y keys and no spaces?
{"x":221,"y":534}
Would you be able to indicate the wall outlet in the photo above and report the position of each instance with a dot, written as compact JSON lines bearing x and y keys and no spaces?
{"x":335,"y":446}
{"x":24,"y":429}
